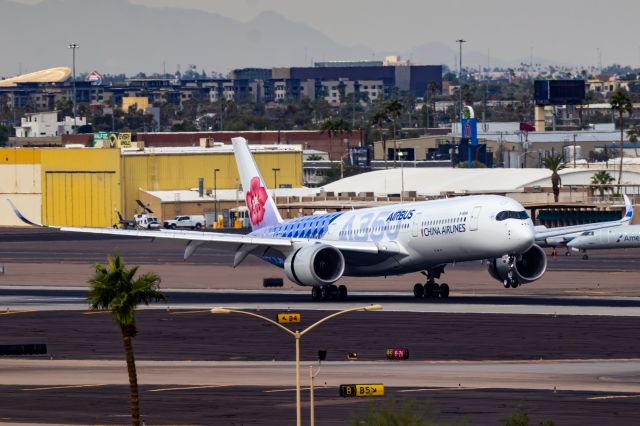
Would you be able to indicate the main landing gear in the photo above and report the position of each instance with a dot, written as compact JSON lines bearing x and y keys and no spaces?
{"x":431,"y":289}
{"x":329,"y":292}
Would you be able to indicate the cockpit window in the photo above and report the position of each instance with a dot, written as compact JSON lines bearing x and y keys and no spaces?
{"x":508,"y":214}
{"x":587,"y":233}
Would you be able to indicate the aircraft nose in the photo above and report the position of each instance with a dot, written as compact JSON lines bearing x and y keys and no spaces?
{"x":523,"y":235}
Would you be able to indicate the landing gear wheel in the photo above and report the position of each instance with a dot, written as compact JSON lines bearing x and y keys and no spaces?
{"x":515,"y":284}
{"x":444,"y":290}
{"x":316,"y":293}
{"x":506,"y":284}
{"x":333,"y":292}
{"x":567,"y":253}
{"x":342,"y":292}
{"x":418,"y":290}
{"x":585,"y":257}
{"x":430,"y":290}
{"x":325,"y":292}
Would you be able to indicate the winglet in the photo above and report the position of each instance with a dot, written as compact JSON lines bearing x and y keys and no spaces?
{"x":628,"y":215}
{"x":21,"y":216}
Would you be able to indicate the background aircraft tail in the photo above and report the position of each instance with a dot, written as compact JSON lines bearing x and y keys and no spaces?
{"x":262,"y":209}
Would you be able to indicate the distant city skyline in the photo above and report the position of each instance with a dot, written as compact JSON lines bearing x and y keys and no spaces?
{"x":581,"y":33}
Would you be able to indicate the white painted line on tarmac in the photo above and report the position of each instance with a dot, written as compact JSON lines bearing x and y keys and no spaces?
{"x":294,"y":389}
{"x":437,"y":389}
{"x":594,"y":398}
{"x":188,"y":388}
{"x":62,"y":387}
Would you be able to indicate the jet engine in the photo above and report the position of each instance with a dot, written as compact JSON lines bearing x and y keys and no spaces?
{"x":513,"y":270}
{"x":316,"y":264}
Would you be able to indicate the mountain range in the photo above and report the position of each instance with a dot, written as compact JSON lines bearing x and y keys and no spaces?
{"x":116,"y":36}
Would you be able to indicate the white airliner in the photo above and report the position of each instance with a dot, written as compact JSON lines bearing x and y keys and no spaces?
{"x":319,"y":250}
{"x":610,"y":238}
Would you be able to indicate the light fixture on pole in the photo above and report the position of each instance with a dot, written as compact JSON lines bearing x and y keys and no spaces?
{"x":402,"y":154}
{"x":297,"y":335}
{"x":73,"y":47}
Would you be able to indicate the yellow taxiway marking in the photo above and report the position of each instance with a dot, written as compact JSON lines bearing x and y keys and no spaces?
{"x":614,"y":397}
{"x":62,"y":387}
{"x":188,"y":388}
{"x":436,"y":389}
{"x":14,"y":312}
{"x":96,"y":312}
{"x":293,"y":389}
{"x":588,"y":292}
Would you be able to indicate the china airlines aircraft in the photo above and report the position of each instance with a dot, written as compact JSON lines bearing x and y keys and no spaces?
{"x":609,"y":238}
{"x":317,"y":251}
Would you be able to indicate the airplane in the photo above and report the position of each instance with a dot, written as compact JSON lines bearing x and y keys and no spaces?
{"x":610,"y":238}
{"x":424,"y":236}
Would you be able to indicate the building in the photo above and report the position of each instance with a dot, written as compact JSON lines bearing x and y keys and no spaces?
{"x":46,"y":124}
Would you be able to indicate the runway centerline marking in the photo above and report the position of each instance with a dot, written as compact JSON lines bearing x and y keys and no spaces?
{"x":96,"y":312}
{"x":62,"y":387}
{"x":198,"y":311}
{"x":437,"y":389}
{"x":188,"y":388}
{"x":593,"y":398}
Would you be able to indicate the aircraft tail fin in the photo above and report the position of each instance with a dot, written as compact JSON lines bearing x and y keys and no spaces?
{"x":628,"y":214}
{"x":21,"y":216}
{"x":262,"y":209}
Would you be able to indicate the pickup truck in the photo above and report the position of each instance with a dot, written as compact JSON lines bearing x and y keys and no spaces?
{"x":196,"y":221}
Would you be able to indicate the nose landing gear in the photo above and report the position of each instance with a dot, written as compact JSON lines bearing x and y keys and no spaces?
{"x":431,"y":289}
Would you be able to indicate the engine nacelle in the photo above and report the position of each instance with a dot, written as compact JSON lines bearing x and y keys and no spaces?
{"x":316,"y":264}
{"x":520,"y":269}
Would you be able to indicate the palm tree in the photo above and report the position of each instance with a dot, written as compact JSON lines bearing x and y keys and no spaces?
{"x":555,"y":164}
{"x":602,"y":179}
{"x":333,"y":127}
{"x":114,"y":288}
{"x":620,"y":102}
{"x":633,"y":132}
{"x":393,"y":108}
{"x":379,"y":118}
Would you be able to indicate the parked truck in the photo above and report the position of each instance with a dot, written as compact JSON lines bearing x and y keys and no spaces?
{"x":194,"y":221}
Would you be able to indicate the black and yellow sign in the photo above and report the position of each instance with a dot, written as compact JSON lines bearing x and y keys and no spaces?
{"x":348,"y":391}
{"x":288,"y":318}
{"x":125,"y":139}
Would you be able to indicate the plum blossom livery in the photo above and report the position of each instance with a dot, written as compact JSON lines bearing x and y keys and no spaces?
{"x":256,"y":199}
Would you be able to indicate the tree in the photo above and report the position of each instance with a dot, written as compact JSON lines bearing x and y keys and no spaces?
{"x":394,"y":108}
{"x":333,"y":127}
{"x":114,"y":288}
{"x":555,"y":164}
{"x":392,"y":412}
{"x":602,"y":179}
{"x":620,"y":102}
{"x":379,"y":118}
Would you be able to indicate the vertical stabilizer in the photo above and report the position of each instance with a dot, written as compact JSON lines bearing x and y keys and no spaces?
{"x":262,"y":209}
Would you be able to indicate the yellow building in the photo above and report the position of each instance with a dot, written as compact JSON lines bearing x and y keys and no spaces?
{"x":85,"y":187}
{"x":20,"y":182}
{"x":139,"y":102}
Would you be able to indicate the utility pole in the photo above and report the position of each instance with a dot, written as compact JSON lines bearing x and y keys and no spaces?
{"x":73,"y":47}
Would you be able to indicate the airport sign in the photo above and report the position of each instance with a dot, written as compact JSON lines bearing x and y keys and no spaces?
{"x":398,"y":353}
{"x":289,"y":318}
{"x":354,"y":391}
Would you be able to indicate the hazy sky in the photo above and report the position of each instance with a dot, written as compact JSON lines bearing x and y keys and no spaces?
{"x":566,"y":31}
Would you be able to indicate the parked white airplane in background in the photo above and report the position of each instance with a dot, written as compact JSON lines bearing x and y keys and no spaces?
{"x":319,"y":250}
{"x":609,"y":238}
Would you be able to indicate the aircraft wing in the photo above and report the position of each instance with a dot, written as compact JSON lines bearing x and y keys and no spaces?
{"x":241,"y":244}
{"x":543,"y":234}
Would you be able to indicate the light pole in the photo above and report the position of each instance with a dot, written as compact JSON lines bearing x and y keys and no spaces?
{"x":297,"y":335}
{"x":401,"y":154}
{"x":73,"y":47}
{"x":275,"y":181}
{"x":215,"y":195}
{"x":460,"y":41}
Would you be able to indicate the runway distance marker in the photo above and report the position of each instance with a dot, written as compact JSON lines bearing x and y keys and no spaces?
{"x":289,"y":318}
{"x":364,"y":390}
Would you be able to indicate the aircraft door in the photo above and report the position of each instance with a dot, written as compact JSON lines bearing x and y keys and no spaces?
{"x":605,"y":236}
{"x":475,"y":215}
{"x":417,"y":223}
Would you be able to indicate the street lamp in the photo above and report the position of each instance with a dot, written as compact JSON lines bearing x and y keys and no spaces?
{"x":73,"y":47}
{"x":401,"y":154}
{"x":275,"y":180}
{"x":215,"y":195}
{"x":297,"y":335}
